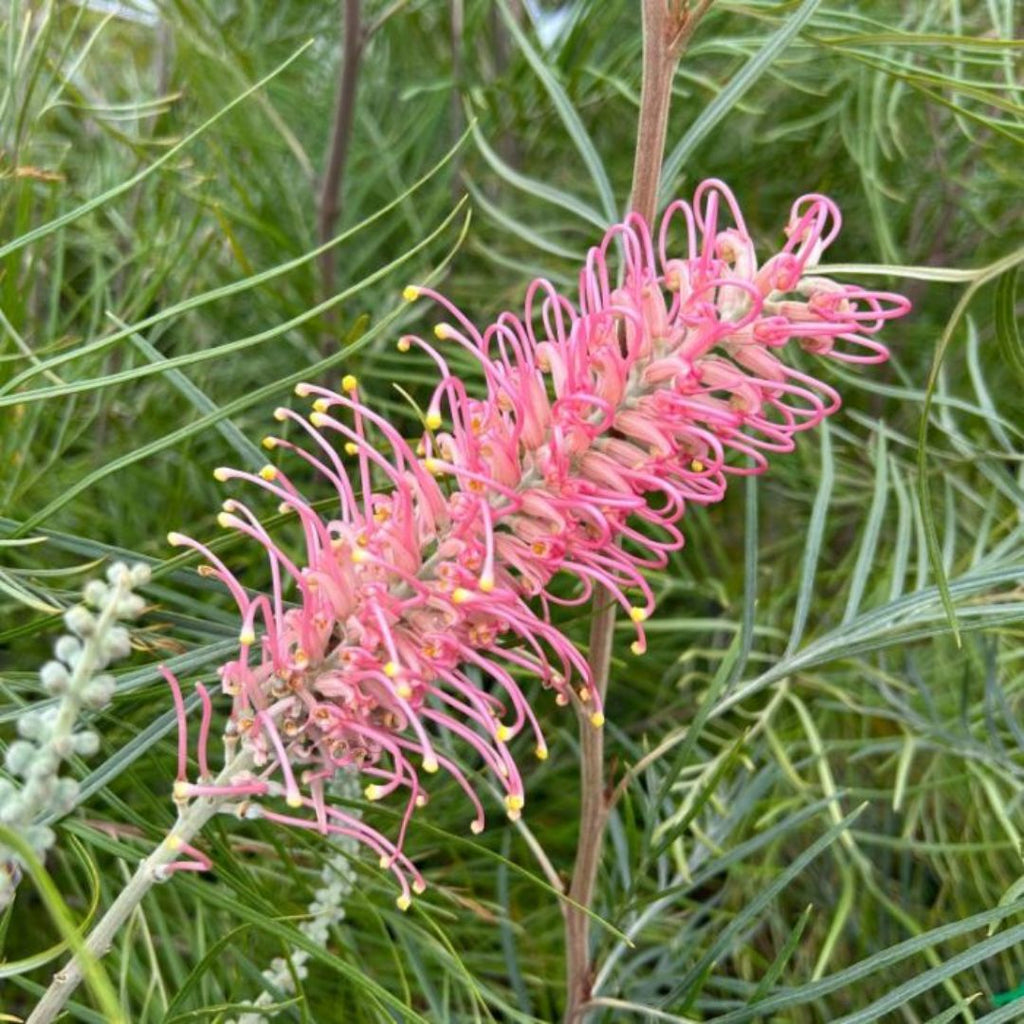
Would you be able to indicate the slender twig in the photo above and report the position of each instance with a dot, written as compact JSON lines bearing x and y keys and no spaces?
{"x":593,"y":815}
{"x":667,"y":28}
{"x":148,"y":873}
{"x":329,"y":207}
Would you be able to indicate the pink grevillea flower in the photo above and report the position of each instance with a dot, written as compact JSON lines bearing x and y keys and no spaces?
{"x":424,"y":592}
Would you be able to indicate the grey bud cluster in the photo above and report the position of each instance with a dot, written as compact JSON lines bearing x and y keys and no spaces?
{"x":326,"y":909}
{"x":48,"y":736}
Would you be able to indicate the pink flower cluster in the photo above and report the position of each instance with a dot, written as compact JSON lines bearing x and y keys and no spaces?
{"x":425,"y":592}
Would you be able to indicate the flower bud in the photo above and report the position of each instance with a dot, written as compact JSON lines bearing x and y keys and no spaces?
{"x":140,"y":574}
{"x":65,"y":795}
{"x":86,"y":742}
{"x":97,"y":693}
{"x":116,"y":573}
{"x":80,"y":621}
{"x":67,"y":649}
{"x":95,"y":593}
{"x":13,"y":811}
{"x":32,"y":725}
{"x":130,"y":607}
{"x":117,"y":644}
{"x":20,"y":756}
{"x":43,"y":765}
{"x":54,"y":678}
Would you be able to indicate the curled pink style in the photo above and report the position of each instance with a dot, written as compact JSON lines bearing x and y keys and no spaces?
{"x":423,"y":591}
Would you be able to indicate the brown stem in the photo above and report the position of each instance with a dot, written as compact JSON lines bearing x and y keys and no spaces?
{"x":593,"y":815}
{"x":667,"y":28}
{"x":329,"y":206}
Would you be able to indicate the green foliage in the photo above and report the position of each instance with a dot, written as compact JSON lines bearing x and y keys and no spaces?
{"x":818,"y":765}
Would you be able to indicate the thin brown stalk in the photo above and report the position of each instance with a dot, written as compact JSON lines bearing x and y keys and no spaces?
{"x":329,"y":206}
{"x":667,"y":29}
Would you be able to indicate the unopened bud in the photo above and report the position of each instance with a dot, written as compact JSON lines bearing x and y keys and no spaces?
{"x":141,"y":574}
{"x":95,"y":593}
{"x":67,"y":649}
{"x":97,"y":693}
{"x":54,"y":678}
{"x":117,"y":644}
{"x":66,"y":795}
{"x":117,"y":573}
{"x":130,"y":607}
{"x":80,"y":621}
{"x":86,"y":742}
{"x":20,"y":756}
{"x":32,"y":725}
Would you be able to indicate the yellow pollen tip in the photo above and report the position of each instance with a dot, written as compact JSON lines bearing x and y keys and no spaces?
{"x":638,"y":614}
{"x":419,"y":887}
{"x":351,"y":448}
{"x":486,"y":584}
{"x":433,"y":420}
{"x":180,"y":790}
{"x":384,"y":861}
{"x":410,"y":293}
{"x":280,"y":414}
{"x":430,"y":765}
{"x":349,"y":383}
{"x":404,"y":691}
{"x":421,"y":800}
{"x":270,"y":443}
{"x":637,"y":648}
{"x":597,"y":719}
{"x":318,"y":419}
{"x":514,"y":802}
{"x":542,"y":753}
{"x":460,"y":595}
{"x":391,"y":669}
{"x":433,"y":466}
{"x":403,"y":345}
{"x":294,"y":800}
{"x":268,"y":473}
{"x":359,"y":556}
{"x":503,"y":733}
{"x":403,"y":903}
{"x":476,"y":826}
{"x":221,"y":474}
{"x":302,"y":390}
{"x":175,"y":539}
{"x":247,"y":637}
{"x":441,"y":332}
{"x":321,"y":405}
{"x":174,"y":842}
{"x":697,"y":466}
{"x":224,"y":520}
{"x":372,"y":792}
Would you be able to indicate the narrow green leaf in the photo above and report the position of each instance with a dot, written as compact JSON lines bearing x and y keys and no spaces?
{"x":806,"y":591}
{"x":901,"y":995}
{"x":872,"y":529}
{"x":535,"y":188}
{"x":573,"y":125}
{"x":883,"y":962}
{"x":1007,"y":328}
{"x":126,"y":186}
{"x":689,"y":985}
{"x":710,"y":117}
{"x":92,"y":970}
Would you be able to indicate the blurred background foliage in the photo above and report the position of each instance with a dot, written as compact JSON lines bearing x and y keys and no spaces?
{"x":160,"y":292}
